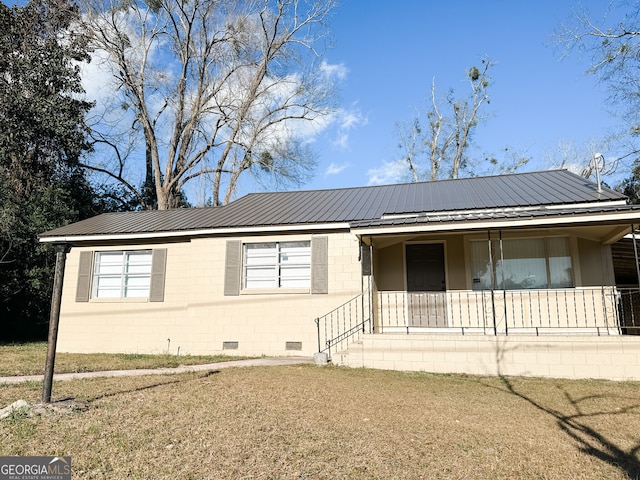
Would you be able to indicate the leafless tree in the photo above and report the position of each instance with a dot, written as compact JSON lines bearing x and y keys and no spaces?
{"x":439,"y":150}
{"x":206,"y":88}
{"x":612,"y":44}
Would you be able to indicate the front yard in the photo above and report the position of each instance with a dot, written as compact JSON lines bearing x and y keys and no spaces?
{"x":308,"y":422}
{"x":29,"y":359}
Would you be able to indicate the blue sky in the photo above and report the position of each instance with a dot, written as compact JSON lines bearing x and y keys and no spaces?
{"x":393,"y":50}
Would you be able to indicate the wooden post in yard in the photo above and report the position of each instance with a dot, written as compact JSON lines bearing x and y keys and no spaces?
{"x":56,"y":298}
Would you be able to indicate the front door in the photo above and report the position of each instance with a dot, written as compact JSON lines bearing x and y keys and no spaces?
{"x":426,"y":285}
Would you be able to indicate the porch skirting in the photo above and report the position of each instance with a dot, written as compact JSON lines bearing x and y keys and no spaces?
{"x":615,"y":357}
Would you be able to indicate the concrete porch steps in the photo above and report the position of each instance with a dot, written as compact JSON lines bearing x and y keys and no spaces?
{"x":341,"y":357}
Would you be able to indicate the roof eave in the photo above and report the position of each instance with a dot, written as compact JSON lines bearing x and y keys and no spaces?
{"x":119,"y":237}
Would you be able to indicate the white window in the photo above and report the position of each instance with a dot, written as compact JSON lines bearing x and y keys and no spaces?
{"x":525,"y":263}
{"x":122,"y":274}
{"x":277,"y":265}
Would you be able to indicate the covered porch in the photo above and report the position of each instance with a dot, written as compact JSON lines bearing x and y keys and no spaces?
{"x":433,"y":285}
{"x":548,"y":279}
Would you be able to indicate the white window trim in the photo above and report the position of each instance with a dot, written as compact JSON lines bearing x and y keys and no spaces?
{"x":277,"y":269}
{"x":123,"y":276}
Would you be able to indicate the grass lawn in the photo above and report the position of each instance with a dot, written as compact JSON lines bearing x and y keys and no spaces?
{"x":29,"y":359}
{"x":309,"y":422}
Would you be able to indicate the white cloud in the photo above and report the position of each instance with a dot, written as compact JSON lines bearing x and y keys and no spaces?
{"x":390,"y":172}
{"x":341,"y":141}
{"x":352,"y":119}
{"x":346,"y":120}
{"x":97,"y":77}
{"x":335,"y":169}
{"x":334,"y":71}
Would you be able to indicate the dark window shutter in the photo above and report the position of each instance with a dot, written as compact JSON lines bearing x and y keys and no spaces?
{"x":319,"y":264}
{"x":158,"y":267}
{"x":232,"y":268}
{"x":365,"y":259}
{"x":83,"y":288}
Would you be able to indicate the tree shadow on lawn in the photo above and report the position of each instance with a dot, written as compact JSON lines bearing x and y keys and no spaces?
{"x":173,"y":381}
{"x":589,"y":440}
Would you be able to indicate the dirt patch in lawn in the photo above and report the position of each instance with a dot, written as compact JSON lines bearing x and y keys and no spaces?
{"x":326,"y":422}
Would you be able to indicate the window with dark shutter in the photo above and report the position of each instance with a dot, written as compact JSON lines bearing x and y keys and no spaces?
{"x":122,"y":274}
{"x":365,"y":259}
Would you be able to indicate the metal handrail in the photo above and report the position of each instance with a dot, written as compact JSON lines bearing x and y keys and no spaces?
{"x":342,"y":324}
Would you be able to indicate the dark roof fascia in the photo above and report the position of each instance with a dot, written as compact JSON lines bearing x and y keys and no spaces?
{"x":151,"y":237}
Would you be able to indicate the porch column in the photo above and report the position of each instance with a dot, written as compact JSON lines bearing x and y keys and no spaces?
{"x":366,"y":264}
{"x":373,"y":298}
{"x":504,"y":290}
{"x":61,"y":250}
{"x":493,"y":279}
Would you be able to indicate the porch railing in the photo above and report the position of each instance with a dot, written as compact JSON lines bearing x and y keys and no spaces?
{"x":344,"y":324}
{"x":601,"y":310}
{"x":629,"y":310}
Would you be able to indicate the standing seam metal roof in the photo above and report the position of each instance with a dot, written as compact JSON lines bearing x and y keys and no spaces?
{"x":359,"y":204}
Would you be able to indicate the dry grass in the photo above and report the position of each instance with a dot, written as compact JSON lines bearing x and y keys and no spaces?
{"x":327,"y":423}
{"x":29,"y":359}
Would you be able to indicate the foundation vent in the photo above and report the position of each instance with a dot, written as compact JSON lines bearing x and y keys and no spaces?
{"x":293,"y":346}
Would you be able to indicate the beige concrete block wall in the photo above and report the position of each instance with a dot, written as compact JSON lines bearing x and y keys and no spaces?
{"x":122,"y":325}
{"x":557,"y":356}
{"x":195,"y":316}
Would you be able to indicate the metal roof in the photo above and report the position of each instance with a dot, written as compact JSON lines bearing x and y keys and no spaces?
{"x":359,"y":205}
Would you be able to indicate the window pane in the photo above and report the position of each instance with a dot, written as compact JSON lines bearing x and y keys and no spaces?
{"x":261,"y":254}
{"x":260,"y":260}
{"x":109,"y":263}
{"x":295,"y":277}
{"x":137,"y":282}
{"x":560,"y":267}
{"x":524,"y":264}
{"x":481,"y":276}
{"x":260,"y":277}
{"x":107,"y":287}
{"x":137,"y":287}
{"x":138,"y":262}
{"x":295,"y":252}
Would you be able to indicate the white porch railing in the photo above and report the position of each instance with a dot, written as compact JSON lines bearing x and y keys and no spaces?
{"x":600,"y":310}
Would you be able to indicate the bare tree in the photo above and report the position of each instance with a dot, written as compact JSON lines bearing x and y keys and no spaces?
{"x":612,"y":43}
{"x":439,"y":150}
{"x":206,"y":88}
